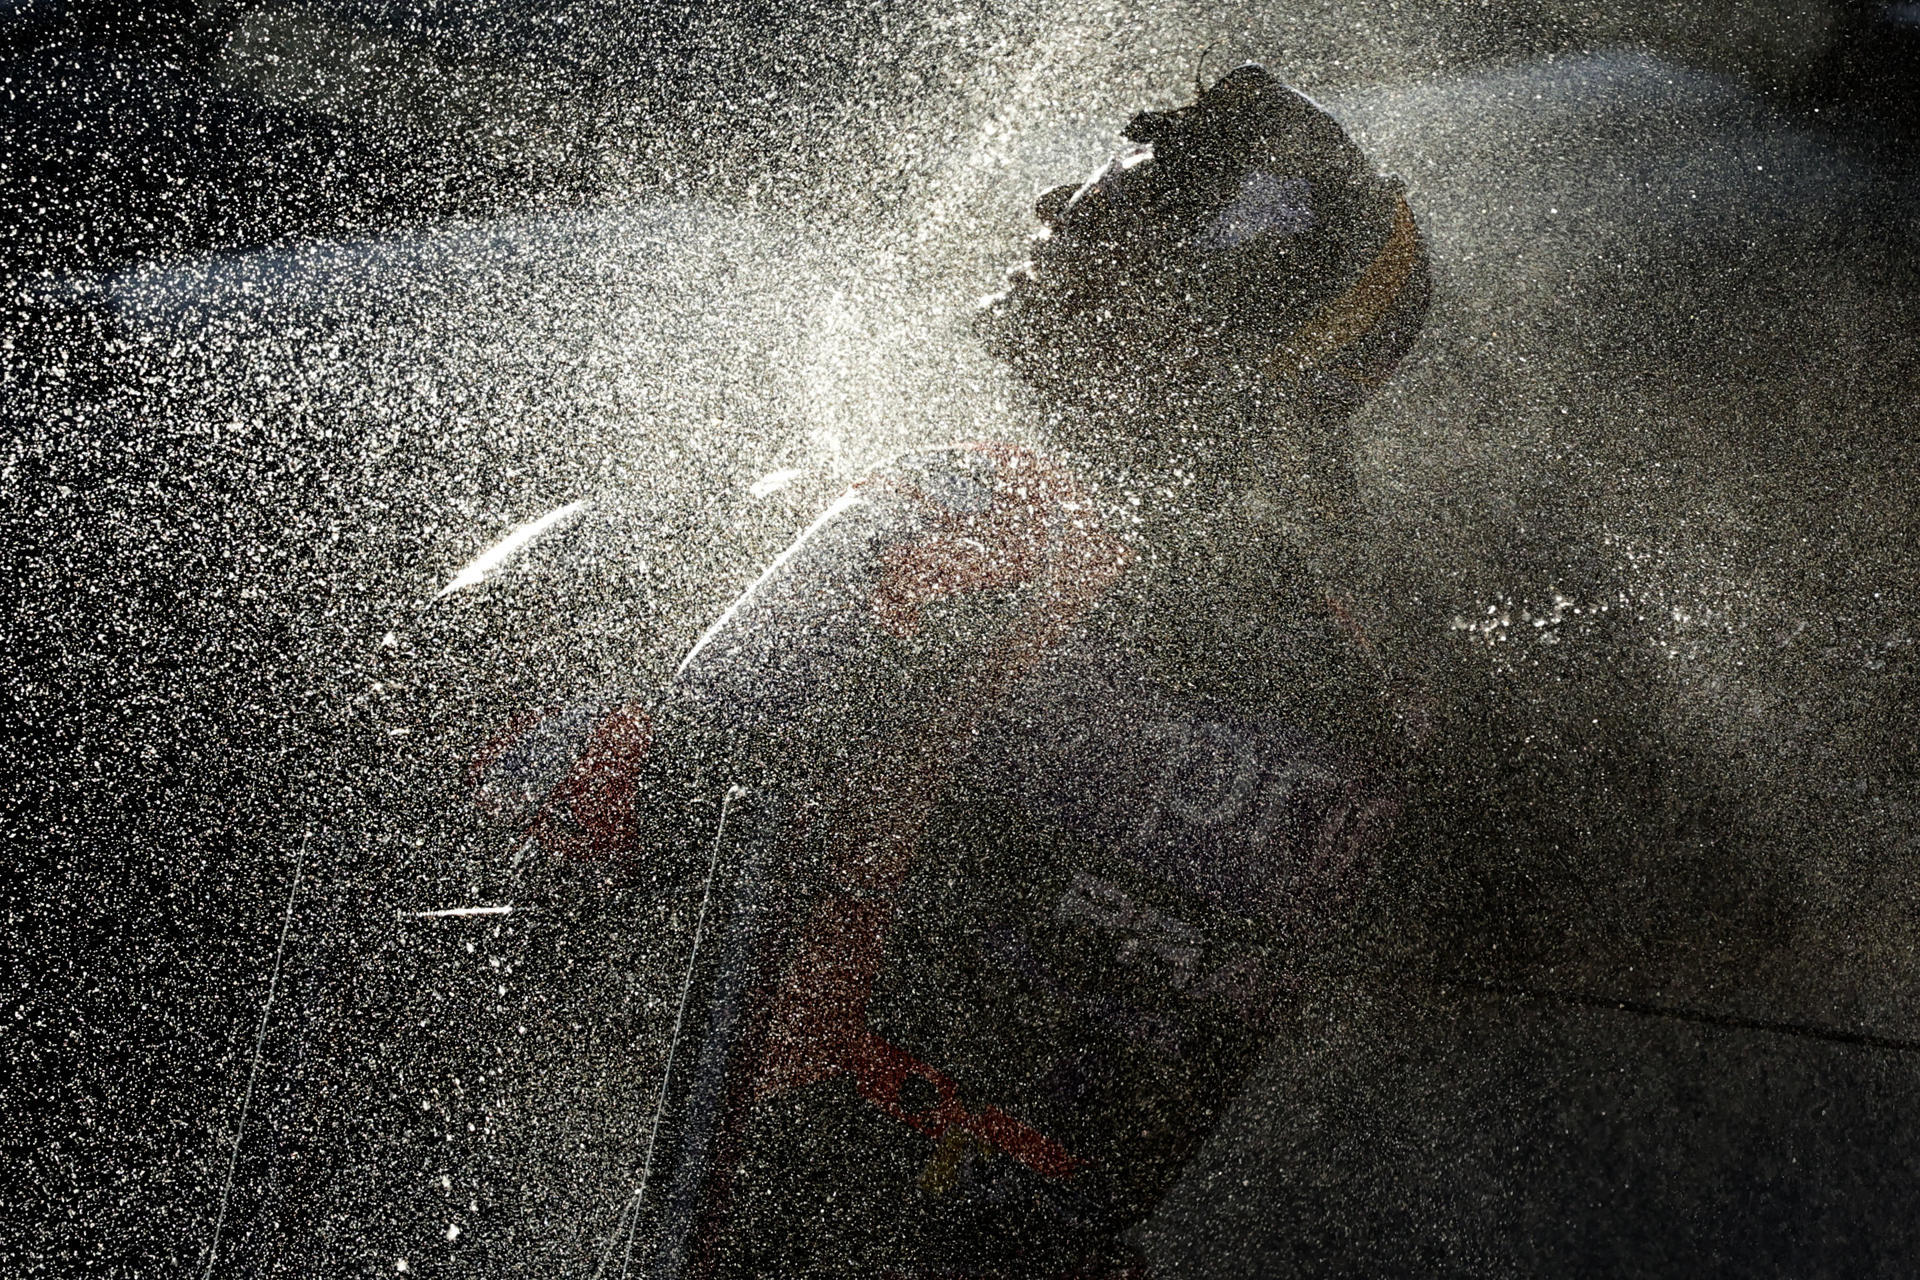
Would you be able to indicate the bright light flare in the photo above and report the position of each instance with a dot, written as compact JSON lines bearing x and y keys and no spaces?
{"x":489,"y":562}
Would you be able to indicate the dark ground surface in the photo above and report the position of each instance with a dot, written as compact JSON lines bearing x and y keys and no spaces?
{"x":342,"y":294}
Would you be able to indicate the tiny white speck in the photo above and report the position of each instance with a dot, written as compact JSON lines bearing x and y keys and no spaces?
{"x":453,"y":1231}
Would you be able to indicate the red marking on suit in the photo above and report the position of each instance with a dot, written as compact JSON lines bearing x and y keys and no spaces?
{"x":591,"y":812}
{"x":1036,"y":532}
{"x":820,"y":1032}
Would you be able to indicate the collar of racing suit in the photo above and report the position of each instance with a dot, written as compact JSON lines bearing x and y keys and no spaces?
{"x":1359,"y":311}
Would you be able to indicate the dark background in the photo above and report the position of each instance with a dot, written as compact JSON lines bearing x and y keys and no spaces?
{"x":304,"y":305}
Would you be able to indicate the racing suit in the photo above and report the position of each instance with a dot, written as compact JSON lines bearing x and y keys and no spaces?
{"x":1018,"y":822}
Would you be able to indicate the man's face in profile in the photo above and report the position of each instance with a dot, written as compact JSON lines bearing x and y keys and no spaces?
{"x":1189,"y":259}
{"x":1100,"y":296}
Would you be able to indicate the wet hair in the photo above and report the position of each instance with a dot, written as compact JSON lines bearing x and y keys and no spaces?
{"x":1240,"y":243}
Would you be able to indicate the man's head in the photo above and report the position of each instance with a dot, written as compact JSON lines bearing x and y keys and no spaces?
{"x":1243,"y":240}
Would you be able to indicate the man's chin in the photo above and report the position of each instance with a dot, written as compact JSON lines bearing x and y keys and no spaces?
{"x":1005,"y":321}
